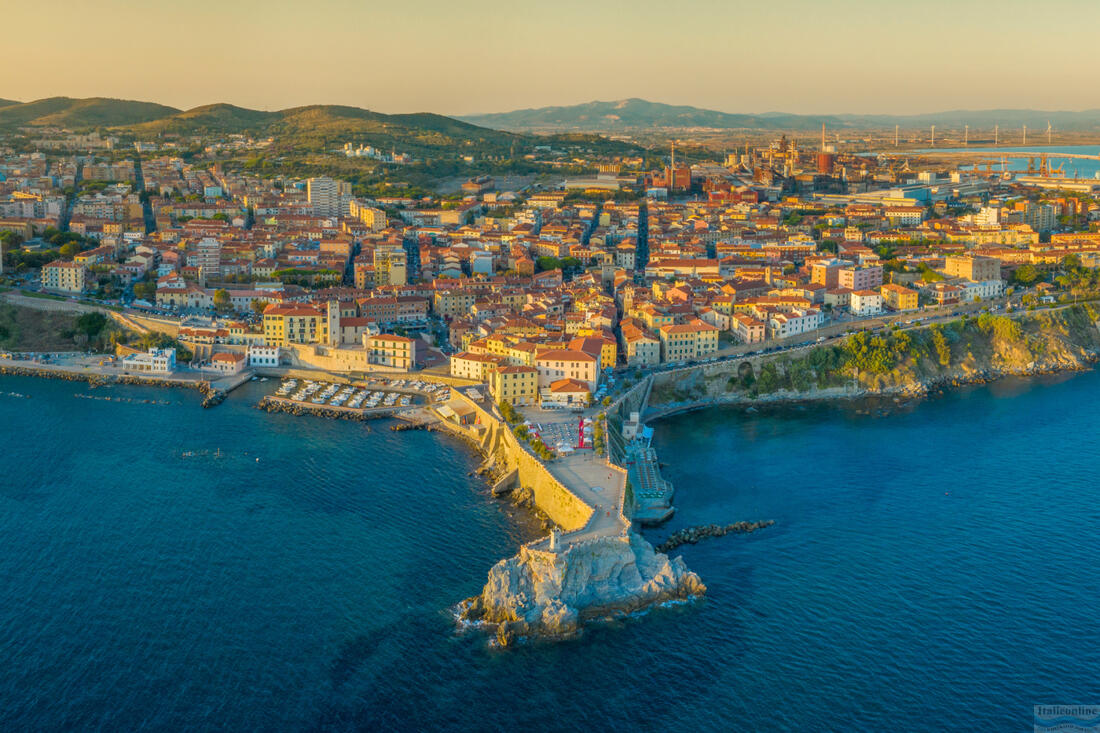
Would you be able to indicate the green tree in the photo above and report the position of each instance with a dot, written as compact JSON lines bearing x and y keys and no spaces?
{"x":145,"y":290}
{"x":91,"y":324}
{"x":222,"y":301}
{"x":1026,"y":275}
{"x":939,"y":343}
{"x":69,"y":250}
{"x":258,"y":306}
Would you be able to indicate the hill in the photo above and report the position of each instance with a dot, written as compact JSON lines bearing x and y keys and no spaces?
{"x":626,"y":114}
{"x":633,"y":114}
{"x":81,"y":113}
{"x":8,"y":102}
{"x":317,"y":128}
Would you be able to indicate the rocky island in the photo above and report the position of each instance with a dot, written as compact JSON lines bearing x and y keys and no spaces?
{"x":550,"y":587}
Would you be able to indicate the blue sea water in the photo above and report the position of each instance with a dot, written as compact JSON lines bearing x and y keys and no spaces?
{"x":933,"y":567}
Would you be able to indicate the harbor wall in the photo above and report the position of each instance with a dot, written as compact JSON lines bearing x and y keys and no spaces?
{"x":504,"y":449}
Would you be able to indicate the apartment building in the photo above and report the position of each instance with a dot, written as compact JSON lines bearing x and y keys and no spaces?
{"x":65,"y":277}
{"x":866,"y":303}
{"x":516,"y":385}
{"x":867,"y":277}
{"x":389,"y":350}
{"x":295,"y":324}
{"x":898,"y":297}
{"x":975,"y":268}
{"x":687,"y":341}
{"x":568,"y":363}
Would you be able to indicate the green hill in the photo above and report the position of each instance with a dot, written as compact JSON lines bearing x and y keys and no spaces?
{"x":81,"y":113}
{"x":8,"y":102}
{"x":310,"y":129}
{"x":318,"y":128}
{"x":211,"y":118}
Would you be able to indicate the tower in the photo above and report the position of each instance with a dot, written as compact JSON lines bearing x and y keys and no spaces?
{"x":933,"y":136}
{"x":1025,"y":134}
{"x":896,"y":127}
{"x":996,"y":135}
{"x":1048,"y":132}
{"x":966,"y":135}
{"x":823,"y":137}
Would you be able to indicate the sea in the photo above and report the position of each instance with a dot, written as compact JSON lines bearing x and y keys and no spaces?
{"x":1071,"y":167}
{"x":933,"y":567}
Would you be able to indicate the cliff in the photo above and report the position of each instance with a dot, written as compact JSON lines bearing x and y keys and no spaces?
{"x":549,"y":592}
{"x":910,"y":361}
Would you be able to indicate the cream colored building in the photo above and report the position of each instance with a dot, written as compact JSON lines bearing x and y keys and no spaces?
{"x":390,"y":350}
{"x":65,"y":277}
{"x":516,"y":385}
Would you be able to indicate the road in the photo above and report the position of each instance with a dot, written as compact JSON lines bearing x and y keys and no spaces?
{"x":70,"y":201}
{"x":14,"y":297}
{"x":139,"y":188}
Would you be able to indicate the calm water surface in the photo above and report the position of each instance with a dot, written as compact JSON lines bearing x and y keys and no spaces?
{"x":932,"y":568}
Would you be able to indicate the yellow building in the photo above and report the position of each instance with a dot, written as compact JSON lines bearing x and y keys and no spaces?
{"x":688,"y":341}
{"x":898,"y":298}
{"x":516,"y":385}
{"x":453,"y":302}
{"x":295,"y":324}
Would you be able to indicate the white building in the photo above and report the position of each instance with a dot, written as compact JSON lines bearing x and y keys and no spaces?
{"x":328,"y":197}
{"x":866,"y":303}
{"x":983,"y":290}
{"x":263,"y":356}
{"x":155,"y":361}
{"x":228,"y":363}
{"x":795,"y":322}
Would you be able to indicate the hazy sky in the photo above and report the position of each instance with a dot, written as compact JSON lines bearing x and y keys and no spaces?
{"x":468,"y":56}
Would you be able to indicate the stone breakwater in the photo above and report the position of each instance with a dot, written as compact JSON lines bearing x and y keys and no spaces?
{"x":691,"y":535}
{"x":268,"y":404}
{"x":549,"y":593}
{"x":210,"y":395}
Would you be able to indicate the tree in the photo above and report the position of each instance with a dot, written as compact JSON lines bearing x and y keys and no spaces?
{"x":258,"y":306}
{"x":548,"y":263}
{"x":69,"y":250}
{"x":91,"y":324}
{"x":939,"y":342}
{"x":145,"y":290}
{"x":222,"y":301}
{"x":1026,"y":275}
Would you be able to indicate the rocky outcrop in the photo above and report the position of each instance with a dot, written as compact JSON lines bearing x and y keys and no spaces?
{"x":691,"y":535}
{"x":548,"y":592}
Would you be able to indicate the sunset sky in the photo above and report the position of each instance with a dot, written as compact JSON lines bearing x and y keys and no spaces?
{"x":493,"y":55}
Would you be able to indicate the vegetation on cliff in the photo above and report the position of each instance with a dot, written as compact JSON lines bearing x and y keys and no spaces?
{"x":964,"y":349}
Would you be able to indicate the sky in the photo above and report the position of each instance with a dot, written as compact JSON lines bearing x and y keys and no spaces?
{"x":474,"y":56}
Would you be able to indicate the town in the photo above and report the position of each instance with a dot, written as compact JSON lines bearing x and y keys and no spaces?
{"x":539,"y":291}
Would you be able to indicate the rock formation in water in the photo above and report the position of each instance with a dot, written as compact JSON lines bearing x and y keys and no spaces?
{"x":550,"y":592}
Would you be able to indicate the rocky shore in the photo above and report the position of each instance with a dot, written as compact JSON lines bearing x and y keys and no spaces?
{"x":210,"y":395}
{"x":298,"y":408}
{"x":549,"y":593}
{"x":691,"y":535}
{"x":910,"y":390}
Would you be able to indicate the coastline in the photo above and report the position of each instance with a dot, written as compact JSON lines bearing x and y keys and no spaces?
{"x":914,"y":391}
{"x":589,"y":568}
{"x":210,"y":395}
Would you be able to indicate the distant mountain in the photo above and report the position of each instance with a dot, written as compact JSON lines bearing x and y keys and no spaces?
{"x":637,"y":114}
{"x":8,"y":102}
{"x":81,"y":113}
{"x":628,"y":114}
